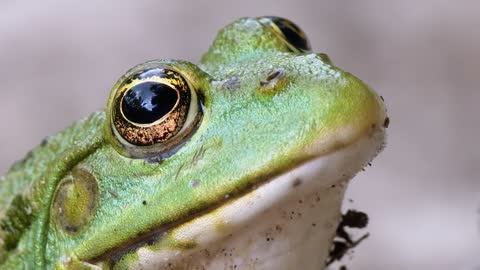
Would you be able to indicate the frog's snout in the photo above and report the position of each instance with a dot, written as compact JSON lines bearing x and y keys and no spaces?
{"x":354,"y":112}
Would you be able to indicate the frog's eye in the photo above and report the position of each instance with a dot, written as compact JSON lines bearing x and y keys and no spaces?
{"x":153,"y":111}
{"x":288,"y":31}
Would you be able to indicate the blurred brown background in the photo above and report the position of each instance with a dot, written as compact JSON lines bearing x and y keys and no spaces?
{"x":58,"y":60}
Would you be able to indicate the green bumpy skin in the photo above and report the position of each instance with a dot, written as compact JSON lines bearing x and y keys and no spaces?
{"x":76,"y":200}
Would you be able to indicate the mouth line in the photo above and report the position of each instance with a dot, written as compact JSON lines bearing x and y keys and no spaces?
{"x":155,"y":235}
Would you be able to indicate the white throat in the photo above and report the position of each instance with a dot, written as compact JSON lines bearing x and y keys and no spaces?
{"x":286,"y":223}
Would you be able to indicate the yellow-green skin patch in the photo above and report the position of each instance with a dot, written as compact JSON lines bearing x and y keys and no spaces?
{"x":250,"y":132}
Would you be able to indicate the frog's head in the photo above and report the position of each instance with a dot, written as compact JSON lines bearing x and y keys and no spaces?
{"x":242,"y":160}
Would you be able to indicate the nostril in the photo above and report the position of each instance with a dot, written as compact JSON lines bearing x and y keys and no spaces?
{"x":272,"y":77}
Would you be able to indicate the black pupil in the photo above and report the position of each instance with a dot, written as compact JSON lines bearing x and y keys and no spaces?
{"x":147,"y":102}
{"x":292,"y":33}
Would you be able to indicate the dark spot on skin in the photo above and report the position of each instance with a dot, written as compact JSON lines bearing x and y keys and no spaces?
{"x":231,"y":84}
{"x":207,"y":253}
{"x":156,"y":160}
{"x":44,"y":142}
{"x":314,"y":224}
{"x":194,"y":183}
{"x":300,"y":201}
{"x":144,"y":202}
{"x":386,"y":123}
{"x":333,"y":186}
{"x":369,"y":164}
{"x":294,"y":214}
{"x":297,"y":182}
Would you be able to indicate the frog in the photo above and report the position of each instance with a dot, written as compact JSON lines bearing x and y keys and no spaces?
{"x":238,"y":162}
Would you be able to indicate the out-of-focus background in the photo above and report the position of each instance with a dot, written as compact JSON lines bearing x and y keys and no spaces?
{"x":58,"y":60}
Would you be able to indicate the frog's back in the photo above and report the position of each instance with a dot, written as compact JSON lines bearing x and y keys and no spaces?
{"x":24,"y":188}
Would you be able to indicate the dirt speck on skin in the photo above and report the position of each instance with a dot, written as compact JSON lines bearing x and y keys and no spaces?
{"x":386,"y":122}
{"x":297,"y":182}
{"x":343,"y":242}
